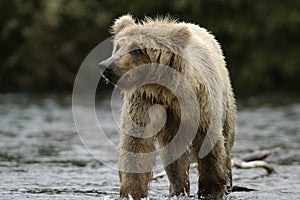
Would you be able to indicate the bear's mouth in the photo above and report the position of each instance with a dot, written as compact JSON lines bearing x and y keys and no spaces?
{"x":106,"y":70}
{"x":107,"y":81}
{"x":110,"y":76}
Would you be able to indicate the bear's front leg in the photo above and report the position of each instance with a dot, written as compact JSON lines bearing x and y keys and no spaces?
{"x":136,"y":159}
{"x":134,"y":185}
{"x":177,"y":169}
{"x":178,"y":175}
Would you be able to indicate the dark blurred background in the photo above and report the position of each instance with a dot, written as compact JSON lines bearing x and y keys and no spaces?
{"x":43,"y":43}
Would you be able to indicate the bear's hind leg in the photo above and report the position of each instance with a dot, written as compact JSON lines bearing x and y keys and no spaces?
{"x":213,"y":172}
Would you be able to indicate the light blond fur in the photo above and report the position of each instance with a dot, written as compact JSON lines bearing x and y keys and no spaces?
{"x":194,"y":52}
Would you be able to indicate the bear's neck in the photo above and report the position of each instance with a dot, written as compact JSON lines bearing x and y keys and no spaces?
{"x":151,"y":95}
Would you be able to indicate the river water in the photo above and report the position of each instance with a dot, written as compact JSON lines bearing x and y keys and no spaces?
{"x":43,"y":157}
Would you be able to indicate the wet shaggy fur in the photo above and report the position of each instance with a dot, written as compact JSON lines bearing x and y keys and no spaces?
{"x":195,"y":54}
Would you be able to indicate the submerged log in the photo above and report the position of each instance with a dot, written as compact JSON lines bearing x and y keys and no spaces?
{"x":260,"y":155}
{"x":255,"y":160}
{"x":252,"y":164}
{"x":241,"y":189}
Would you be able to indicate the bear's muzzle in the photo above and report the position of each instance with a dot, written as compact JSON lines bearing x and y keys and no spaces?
{"x":106,"y":70}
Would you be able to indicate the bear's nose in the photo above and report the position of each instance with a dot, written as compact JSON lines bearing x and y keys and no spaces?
{"x":107,"y":73}
{"x":104,"y":70}
{"x":106,"y":67}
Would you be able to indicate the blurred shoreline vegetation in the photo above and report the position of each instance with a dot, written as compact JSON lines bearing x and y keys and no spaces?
{"x":44,"y":42}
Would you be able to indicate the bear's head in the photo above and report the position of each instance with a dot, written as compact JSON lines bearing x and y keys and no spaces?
{"x":153,"y":41}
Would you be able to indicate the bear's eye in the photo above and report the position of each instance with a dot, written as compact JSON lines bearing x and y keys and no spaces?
{"x":136,"y":52}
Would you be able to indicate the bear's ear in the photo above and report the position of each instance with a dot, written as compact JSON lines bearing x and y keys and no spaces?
{"x":181,"y":35}
{"x":122,"y":22}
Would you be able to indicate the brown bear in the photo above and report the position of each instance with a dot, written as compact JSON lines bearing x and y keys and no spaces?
{"x":204,"y":90}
